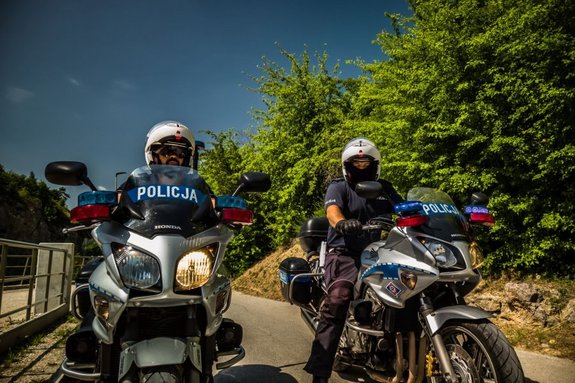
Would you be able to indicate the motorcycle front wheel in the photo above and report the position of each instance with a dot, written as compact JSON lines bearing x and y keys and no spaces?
{"x":493,"y":357}
{"x":161,"y":374}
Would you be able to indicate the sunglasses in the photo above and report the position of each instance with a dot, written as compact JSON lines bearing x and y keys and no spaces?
{"x":169,"y":151}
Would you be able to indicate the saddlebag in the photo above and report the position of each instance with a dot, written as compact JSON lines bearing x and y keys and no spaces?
{"x":289,"y":269}
{"x":312,"y":233}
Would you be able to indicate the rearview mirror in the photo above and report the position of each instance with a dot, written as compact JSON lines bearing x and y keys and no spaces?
{"x":369,"y":189}
{"x":479,"y":199}
{"x":68,"y":173}
{"x":254,"y":182}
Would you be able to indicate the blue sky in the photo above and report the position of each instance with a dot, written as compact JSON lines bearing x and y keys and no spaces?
{"x":85,"y":80}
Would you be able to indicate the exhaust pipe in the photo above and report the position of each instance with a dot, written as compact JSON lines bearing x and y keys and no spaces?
{"x":399,"y":362}
{"x":411,"y":351}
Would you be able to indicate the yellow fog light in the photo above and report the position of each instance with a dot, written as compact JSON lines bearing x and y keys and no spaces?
{"x":102,"y":306}
{"x":194,"y":269}
{"x":409,"y":279}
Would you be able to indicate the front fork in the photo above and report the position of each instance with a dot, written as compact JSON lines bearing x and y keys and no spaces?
{"x":437,"y":341}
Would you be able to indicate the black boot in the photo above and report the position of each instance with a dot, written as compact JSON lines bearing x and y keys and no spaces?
{"x":319,"y":379}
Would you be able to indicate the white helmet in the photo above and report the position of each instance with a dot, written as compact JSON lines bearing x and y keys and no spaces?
{"x":360,"y":150}
{"x":170,"y":133}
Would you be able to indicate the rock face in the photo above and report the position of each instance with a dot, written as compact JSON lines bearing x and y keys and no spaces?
{"x":534,"y":304}
{"x":568,"y":313}
{"x":27,"y":223}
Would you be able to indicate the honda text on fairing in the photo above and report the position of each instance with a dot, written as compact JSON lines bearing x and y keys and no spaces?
{"x":409,"y":321}
{"x":152,"y":305}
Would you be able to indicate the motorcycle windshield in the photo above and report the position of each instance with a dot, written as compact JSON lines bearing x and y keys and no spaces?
{"x":444,"y":220}
{"x":164,"y":199}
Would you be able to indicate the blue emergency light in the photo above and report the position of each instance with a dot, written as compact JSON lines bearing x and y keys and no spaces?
{"x":475,"y":209}
{"x":97,"y":198}
{"x":408,"y":207}
{"x":229,"y":201}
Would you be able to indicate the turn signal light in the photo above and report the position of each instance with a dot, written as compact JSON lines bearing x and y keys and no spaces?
{"x":409,"y":279}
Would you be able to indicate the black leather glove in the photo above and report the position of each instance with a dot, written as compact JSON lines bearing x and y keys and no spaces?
{"x":348,"y":227}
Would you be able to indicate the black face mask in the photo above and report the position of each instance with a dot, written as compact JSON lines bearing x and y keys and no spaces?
{"x":356,"y":175}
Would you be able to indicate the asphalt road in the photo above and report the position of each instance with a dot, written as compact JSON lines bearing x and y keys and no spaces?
{"x":277,"y":344}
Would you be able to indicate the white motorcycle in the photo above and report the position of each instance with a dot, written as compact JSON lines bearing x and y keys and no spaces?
{"x":152,"y":308}
{"x":409,"y":321}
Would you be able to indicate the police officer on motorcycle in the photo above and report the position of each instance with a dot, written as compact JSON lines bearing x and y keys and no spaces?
{"x":346,"y":212}
{"x":169,"y":143}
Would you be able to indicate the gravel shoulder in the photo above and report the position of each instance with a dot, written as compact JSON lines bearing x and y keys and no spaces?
{"x":38,"y":359}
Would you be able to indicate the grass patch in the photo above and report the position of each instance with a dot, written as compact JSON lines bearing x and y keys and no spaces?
{"x":55,"y":330}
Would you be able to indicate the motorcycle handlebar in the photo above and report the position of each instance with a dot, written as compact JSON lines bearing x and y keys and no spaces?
{"x":67,"y":230}
{"x":381,"y":224}
{"x":373,"y":227}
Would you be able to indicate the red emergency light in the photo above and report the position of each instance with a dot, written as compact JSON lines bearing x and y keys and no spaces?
{"x":482,"y":219}
{"x":413,"y":220}
{"x":237,"y":216}
{"x":90,"y":213}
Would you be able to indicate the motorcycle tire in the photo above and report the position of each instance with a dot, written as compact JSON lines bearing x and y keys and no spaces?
{"x":162,"y":374}
{"x":493,"y":356}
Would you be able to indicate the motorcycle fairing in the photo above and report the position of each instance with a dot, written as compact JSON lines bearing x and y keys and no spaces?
{"x":384,"y":277}
{"x":166,"y":200}
{"x":167,"y":249}
{"x":444,"y":220}
{"x":390,"y":270}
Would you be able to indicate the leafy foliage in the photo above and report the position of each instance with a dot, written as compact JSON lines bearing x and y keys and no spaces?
{"x":469,"y":95}
{"x":478,"y":95}
{"x":222,"y":166}
{"x":306,"y":107}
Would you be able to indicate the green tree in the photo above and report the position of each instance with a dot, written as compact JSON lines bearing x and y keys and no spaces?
{"x":221,"y":166}
{"x":478,"y":95}
{"x":299,"y":133}
{"x":469,"y":95}
{"x":306,"y":106}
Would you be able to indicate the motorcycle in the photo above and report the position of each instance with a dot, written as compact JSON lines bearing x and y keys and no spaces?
{"x":408,"y":320}
{"x":151,"y":307}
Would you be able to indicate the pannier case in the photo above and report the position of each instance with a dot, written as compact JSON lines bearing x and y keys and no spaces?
{"x":312,"y":233}
{"x":301,"y":291}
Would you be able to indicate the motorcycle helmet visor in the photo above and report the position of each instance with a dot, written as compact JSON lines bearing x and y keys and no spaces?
{"x":361,"y":169}
{"x":361,"y":163}
{"x":168,"y":150}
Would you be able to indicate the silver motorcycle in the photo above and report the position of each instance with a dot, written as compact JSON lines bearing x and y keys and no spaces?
{"x":409,"y":321}
{"x":152,"y":305}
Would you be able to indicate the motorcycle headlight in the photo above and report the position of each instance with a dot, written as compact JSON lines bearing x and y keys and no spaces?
{"x":194,"y":268}
{"x":137,"y":269}
{"x":443,"y":255}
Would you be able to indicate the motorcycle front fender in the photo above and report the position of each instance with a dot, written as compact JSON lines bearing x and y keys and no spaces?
{"x":160,"y":352}
{"x":436,"y":319}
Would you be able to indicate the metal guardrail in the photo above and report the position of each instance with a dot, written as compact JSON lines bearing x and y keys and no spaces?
{"x":35,"y":286}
